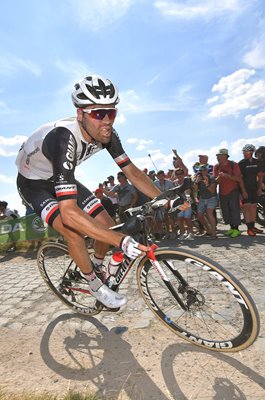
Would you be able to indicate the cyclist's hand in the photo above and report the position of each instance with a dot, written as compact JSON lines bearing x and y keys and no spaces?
{"x":131,"y":248}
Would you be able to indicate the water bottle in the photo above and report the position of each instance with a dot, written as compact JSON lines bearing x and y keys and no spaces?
{"x":115,"y":260}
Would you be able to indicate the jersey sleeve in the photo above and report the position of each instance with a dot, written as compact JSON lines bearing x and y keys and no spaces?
{"x":59,"y":146}
{"x":116,"y":151}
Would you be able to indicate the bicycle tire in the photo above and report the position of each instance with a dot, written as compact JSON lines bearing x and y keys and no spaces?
{"x":223,"y":317}
{"x":62,"y":276}
{"x":260,"y":218}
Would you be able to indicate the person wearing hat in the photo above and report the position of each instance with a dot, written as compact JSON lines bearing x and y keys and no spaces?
{"x":152,"y":175}
{"x":110,"y":186}
{"x":205,"y":187}
{"x":252,"y":174}
{"x":228,"y":176}
{"x":125,"y":193}
{"x":203,"y":160}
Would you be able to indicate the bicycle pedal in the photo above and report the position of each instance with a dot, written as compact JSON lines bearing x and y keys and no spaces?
{"x":104,"y":308}
{"x":111,"y":309}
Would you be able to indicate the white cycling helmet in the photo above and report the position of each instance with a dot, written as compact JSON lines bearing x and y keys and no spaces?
{"x":249,"y":147}
{"x":94,"y":89}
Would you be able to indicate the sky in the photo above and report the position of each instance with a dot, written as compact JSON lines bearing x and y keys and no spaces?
{"x":191,"y":77}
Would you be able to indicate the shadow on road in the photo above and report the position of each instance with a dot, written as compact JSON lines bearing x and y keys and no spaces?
{"x":83,"y":349}
{"x":193,"y":372}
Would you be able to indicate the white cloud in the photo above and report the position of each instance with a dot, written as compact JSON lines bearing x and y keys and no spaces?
{"x":237,"y":95}
{"x":6,"y":179}
{"x":10,"y":146}
{"x":256,"y":121}
{"x":256,"y":56}
{"x":94,"y":15}
{"x":9,"y":64}
{"x":134,"y":103}
{"x":192,"y":9}
{"x":141,"y":144}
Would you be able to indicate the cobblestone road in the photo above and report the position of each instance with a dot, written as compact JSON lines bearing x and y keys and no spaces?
{"x":27,"y":305}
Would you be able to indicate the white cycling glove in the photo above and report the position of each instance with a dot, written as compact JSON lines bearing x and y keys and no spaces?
{"x":129,"y":247}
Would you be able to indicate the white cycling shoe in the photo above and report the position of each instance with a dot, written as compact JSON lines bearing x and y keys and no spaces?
{"x":108,"y":297}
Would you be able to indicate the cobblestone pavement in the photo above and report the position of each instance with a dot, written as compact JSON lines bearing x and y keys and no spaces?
{"x":27,"y":305}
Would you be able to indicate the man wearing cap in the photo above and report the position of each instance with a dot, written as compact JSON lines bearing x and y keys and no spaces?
{"x":110,"y":186}
{"x":125,"y":193}
{"x":252,"y":177}
{"x":205,"y":186}
{"x":203,"y":160}
{"x":152,"y":175}
{"x":228,"y":176}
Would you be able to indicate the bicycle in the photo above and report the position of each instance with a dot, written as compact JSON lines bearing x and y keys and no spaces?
{"x":192,"y":295}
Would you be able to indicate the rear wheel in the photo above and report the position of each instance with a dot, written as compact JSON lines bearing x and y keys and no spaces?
{"x":64,"y":279}
{"x":202,"y":302}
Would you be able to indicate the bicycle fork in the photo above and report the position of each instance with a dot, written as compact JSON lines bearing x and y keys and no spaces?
{"x":156,"y":264}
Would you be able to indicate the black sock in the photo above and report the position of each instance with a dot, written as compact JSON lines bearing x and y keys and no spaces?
{"x":234,"y":227}
{"x":250,"y":225}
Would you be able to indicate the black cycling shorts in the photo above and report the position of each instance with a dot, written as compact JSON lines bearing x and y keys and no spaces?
{"x":40,"y":196}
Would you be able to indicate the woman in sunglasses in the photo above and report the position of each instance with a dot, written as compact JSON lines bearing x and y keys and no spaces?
{"x":46,"y":182}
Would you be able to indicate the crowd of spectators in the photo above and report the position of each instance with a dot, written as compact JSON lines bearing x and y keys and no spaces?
{"x":232,"y":186}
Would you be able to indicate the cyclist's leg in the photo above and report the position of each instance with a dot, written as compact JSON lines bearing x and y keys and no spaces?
{"x":92,"y":206}
{"x":40,"y":195}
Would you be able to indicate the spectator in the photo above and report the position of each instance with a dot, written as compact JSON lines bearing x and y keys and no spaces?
{"x":228,"y":176}
{"x":203,"y":160}
{"x":260,"y":155}
{"x":8,"y":214}
{"x":184,"y":185}
{"x":161,"y":216}
{"x":205,"y":185}
{"x":152,"y":175}
{"x":178,"y":163}
{"x":110,"y":186}
{"x":126,"y":194}
{"x":252,"y":177}
{"x":106,"y":202}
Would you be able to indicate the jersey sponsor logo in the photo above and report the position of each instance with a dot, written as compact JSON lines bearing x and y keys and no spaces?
{"x":49,"y":210}
{"x":70,"y":154}
{"x":68,"y":165}
{"x":92,"y":205}
{"x":31,"y":154}
{"x":65,"y":190}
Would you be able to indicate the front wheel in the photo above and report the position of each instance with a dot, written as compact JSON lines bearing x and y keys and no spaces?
{"x":201,"y":302}
{"x":261,"y":213}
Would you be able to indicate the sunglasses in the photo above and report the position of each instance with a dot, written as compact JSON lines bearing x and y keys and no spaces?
{"x":100,"y":113}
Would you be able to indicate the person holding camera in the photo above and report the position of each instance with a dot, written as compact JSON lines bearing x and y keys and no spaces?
{"x":205,"y":187}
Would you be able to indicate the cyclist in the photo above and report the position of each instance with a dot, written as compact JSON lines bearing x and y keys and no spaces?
{"x":46,"y":163}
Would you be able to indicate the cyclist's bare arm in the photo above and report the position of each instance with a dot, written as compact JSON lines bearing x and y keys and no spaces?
{"x":141,"y":181}
{"x":76,"y":219}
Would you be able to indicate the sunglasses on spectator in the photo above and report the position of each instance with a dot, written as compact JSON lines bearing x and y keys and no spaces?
{"x":179,"y":174}
{"x":100,"y":113}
